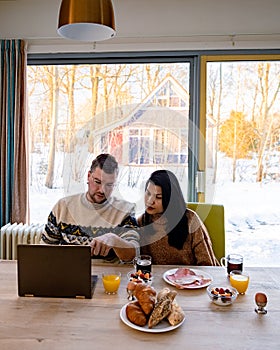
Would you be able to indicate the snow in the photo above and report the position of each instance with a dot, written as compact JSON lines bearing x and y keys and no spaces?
{"x":252,"y":218}
{"x":252,"y":215}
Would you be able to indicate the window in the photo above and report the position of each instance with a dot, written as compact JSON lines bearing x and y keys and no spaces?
{"x":162,"y":110}
{"x":242,"y":153}
{"x":138,"y":112}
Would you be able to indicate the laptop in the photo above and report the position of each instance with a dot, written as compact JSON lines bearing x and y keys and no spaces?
{"x":62,"y":271}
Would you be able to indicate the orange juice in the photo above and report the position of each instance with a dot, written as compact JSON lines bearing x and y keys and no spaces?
{"x":111,"y":283}
{"x":239,"y":281}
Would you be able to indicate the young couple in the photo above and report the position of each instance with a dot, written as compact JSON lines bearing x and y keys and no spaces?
{"x":167,"y":231}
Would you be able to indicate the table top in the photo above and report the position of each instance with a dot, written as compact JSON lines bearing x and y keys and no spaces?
{"x":60,"y":323}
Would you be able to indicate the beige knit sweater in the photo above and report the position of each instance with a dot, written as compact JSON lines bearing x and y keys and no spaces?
{"x":75,"y":220}
{"x":197,"y":249}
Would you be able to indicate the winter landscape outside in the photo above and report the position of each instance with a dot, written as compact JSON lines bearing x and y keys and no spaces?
{"x":252,"y":214}
{"x":243,"y":138}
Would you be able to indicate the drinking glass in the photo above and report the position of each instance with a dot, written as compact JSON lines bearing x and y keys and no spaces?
{"x":111,"y":282}
{"x":239,"y":280}
{"x":232,"y":262}
{"x":143,"y":263}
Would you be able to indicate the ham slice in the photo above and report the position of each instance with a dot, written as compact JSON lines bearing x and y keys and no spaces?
{"x":186,"y":278}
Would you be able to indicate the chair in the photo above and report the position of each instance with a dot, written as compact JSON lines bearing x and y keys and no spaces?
{"x":212,"y":215}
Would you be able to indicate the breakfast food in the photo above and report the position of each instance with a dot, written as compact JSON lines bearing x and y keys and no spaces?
{"x":154,"y":306}
{"x":161,"y":310}
{"x":146,"y":296}
{"x":135,"y":314}
{"x":140,"y":276}
{"x":186,"y":278}
{"x":224,"y":294}
{"x":166,"y":292}
{"x":176,"y":315}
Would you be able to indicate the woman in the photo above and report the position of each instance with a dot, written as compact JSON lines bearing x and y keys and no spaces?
{"x":172,"y":234}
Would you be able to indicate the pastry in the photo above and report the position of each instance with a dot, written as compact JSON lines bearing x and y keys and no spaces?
{"x":135,"y":314}
{"x":146,"y":296}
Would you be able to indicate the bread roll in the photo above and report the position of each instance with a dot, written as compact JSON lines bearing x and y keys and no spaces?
{"x":161,"y":310}
{"x":176,"y":315}
{"x":135,"y":314}
{"x":166,"y":292}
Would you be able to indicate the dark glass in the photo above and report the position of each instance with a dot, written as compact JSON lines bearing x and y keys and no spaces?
{"x":144,"y":265}
{"x":233,"y":265}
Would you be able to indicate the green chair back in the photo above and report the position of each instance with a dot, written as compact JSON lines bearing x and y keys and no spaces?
{"x":212,"y":215}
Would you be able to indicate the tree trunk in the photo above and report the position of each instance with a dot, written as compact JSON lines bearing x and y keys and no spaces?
{"x":54,"y":109}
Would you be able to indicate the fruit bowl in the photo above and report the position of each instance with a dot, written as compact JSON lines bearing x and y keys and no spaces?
{"x":140,"y":277}
{"x":222,"y":296}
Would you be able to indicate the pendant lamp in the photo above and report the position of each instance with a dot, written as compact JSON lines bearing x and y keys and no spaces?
{"x":86,"y":20}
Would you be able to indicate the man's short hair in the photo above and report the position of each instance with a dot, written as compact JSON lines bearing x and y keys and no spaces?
{"x":105,"y":162}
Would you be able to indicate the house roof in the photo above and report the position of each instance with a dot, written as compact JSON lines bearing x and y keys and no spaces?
{"x":153,"y":109}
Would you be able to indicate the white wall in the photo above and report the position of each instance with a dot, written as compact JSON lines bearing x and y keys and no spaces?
{"x":152,"y":25}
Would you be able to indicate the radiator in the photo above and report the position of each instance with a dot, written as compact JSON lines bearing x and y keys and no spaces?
{"x":14,"y":234}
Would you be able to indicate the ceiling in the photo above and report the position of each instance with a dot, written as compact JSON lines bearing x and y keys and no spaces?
{"x":152,"y":25}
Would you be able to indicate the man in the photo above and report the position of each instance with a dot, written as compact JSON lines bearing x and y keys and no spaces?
{"x":95,"y":217}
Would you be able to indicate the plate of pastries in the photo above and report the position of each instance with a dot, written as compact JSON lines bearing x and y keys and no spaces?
{"x":152,"y":311}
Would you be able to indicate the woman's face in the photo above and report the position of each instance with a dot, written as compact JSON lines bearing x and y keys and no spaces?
{"x":153,"y":199}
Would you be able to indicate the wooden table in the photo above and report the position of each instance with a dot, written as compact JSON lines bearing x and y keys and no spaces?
{"x":47,"y":323}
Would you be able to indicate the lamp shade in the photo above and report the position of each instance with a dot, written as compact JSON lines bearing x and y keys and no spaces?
{"x":86,"y":20}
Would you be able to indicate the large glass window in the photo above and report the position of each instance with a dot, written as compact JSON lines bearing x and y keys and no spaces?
{"x":243,"y":153}
{"x":137,"y":112}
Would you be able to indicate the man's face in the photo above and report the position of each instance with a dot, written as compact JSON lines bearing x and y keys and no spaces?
{"x":100,"y":185}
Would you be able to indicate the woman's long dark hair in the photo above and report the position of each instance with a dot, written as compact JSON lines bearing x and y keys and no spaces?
{"x":174,"y":207}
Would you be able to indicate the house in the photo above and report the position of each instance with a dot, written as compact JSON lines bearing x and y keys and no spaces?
{"x":154,"y":132}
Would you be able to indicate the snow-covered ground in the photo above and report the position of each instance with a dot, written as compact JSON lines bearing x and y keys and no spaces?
{"x":252,"y":218}
{"x":252,"y":212}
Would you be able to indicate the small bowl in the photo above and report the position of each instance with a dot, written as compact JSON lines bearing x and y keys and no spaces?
{"x":146,"y":278}
{"x":222,"y":296}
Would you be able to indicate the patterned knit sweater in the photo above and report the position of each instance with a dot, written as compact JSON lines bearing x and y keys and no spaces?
{"x":75,"y":220}
{"x":197,"y":249}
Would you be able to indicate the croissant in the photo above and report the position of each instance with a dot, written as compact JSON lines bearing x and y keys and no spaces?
{"x":146,"y":296}
{"x":176,"y":315}
{"x":135,"y":314}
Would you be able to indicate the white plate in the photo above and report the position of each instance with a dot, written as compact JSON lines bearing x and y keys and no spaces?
{"x":189,"y":286}
{"x":163,"y":326}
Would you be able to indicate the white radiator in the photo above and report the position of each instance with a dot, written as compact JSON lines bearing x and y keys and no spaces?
{"x":13,"y":234}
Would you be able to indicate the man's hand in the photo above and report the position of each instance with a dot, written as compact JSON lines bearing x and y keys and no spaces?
{"x":101,"y":245}
{"x":124,"y":250}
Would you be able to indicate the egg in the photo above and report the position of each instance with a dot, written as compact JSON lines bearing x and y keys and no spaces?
{"x":260,"y":298}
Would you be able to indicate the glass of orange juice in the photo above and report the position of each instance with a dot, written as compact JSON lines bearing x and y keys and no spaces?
{"x":111,"y":282}
{"x":239,"y":280}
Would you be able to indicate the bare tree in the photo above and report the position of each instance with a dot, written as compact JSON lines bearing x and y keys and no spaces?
{"x":266,"y":118}
{"x":54,"y":98}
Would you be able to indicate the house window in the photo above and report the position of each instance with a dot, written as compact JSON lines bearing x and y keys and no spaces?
{"x":139,"y":146}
